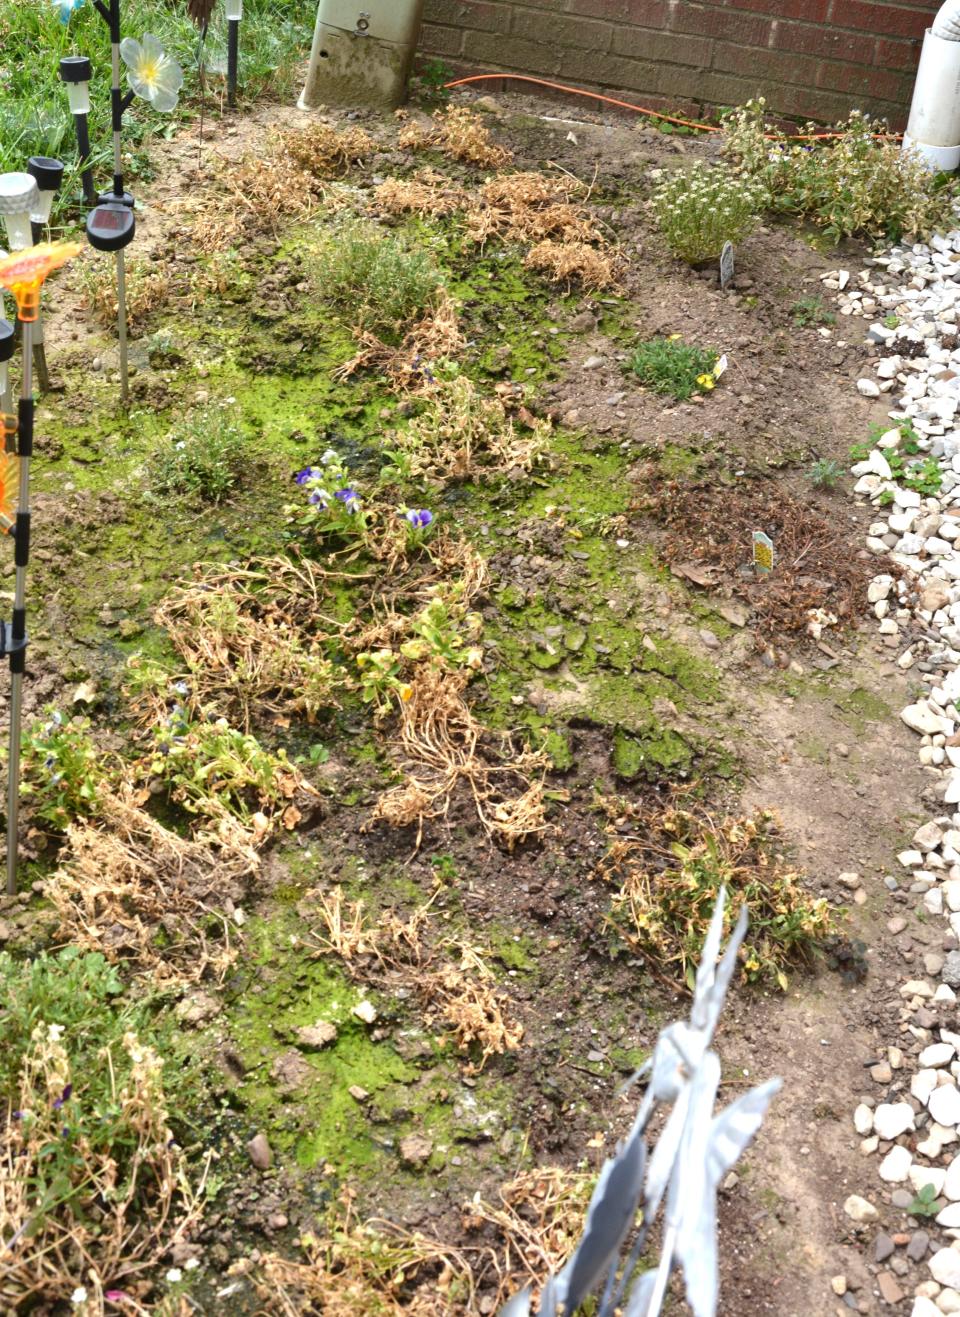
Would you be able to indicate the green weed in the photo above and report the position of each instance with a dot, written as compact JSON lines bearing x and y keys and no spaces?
{"x":810,"y":311}
{"x":202,"y":459}
{"x":824,"y":473}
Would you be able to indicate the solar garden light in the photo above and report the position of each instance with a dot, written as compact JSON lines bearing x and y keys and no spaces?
{"x":234,"y":12}
{"x":75,"y":73}
{"x":19,"y":195}
{"x":23,"y":274}
{"x":49,"y":175}
{"x":156,"y":79}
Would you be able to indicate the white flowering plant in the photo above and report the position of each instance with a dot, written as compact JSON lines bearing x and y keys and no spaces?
{"x":701,"y":208}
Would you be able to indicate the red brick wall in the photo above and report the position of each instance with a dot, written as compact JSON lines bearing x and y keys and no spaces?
{"x":810,"y":58}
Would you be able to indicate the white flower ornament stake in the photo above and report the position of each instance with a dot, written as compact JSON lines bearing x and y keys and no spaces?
{"x":152,"y":74}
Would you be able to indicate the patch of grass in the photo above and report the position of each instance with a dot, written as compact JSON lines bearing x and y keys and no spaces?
{"x":202,"y":459}
{"x":674,"y":368}
{"x":381,"y":281}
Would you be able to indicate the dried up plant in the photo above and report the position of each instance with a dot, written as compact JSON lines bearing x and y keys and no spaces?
{"x":376,"y":1269}
{"x":148,"y":289}
{"x":573,"y":262}
{"x":538,"y":1219}
{"x":459,"y":133}
{"x":427,"y":193}
{"x":668,"y":879}
{"x":531,"y":207}
{"x":326,"y":151}
{"x":460,"y":434}
{"x":450,"y":977}
{"x":244,"y":635}
{"x":88,"y":1198}
{"x":434,"y":339}
{"x":136,"y":891}
{"x":439,"y":744}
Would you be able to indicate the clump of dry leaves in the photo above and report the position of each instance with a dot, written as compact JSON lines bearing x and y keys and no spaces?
{"x":459,"y":133}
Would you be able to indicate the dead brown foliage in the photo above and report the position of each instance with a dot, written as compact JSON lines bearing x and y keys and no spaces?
{"x":147,"y":289}
{"x":287,"y":181}
{"x":707,"y":541}
{"x":127,"y":877}
{"x":460,"y":134}
{"x":450,"y":976}
{"x":439,"y":745}
{"x":435,"y":338}
{"x":252,"y":638}
{"x":573,"y":263}
{"x":427,"y":193}
{"x":381,"y":1268}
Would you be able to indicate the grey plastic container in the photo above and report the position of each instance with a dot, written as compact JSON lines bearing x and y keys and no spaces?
{"x":362,"y":53}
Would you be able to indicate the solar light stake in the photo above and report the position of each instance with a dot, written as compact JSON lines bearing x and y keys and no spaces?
{"x":75,"y":73}
{"x":23,"y":274}
{"x":17,"y":644}
{"x":110,"y":228}
{"x":49,"y":175}
{"x":234,"y":11}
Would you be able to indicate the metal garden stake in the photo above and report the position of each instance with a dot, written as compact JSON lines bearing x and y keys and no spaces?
{"x":234,"y":12}
{"x":23,"y":274}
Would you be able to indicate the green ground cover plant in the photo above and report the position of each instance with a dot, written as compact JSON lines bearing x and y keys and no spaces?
{"x":673,"y":368}
{"x":383,"y":281}
{"x":202,"y":459}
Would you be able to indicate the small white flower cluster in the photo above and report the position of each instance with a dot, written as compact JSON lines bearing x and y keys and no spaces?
{"x":700,"y":209}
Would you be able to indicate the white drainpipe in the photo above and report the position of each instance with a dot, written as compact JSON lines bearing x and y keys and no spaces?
{"x":933,"y":129}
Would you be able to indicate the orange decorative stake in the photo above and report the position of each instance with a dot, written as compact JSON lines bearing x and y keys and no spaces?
{"x":23,"y":274}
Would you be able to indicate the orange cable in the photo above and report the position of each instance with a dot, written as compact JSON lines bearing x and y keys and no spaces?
{"x":640,"y":109}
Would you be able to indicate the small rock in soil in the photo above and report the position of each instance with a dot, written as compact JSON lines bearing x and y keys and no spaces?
{"x":415,"y":1149}
{"x":259,"y":1152}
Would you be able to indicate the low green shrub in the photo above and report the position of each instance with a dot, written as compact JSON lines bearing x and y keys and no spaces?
{"x":62,"y":770}
{"x":672,"y":367}
{"x":382,"y":281}
{"x":202,"y":459}
{"x":701,"y":208}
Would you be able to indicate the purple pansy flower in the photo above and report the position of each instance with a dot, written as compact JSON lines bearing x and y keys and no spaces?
{"x":349,"y":498}
{"x":419,"y":518}
{"x":308,"y":473}
{"x":64,"y":1097}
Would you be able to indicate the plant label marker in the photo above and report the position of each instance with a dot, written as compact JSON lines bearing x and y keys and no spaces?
{"x":727,"y":265}
{"x":762,"y":552}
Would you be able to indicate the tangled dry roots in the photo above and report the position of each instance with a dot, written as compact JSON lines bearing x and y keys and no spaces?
{"x":439,"y":744}
{"x":127,"y":877}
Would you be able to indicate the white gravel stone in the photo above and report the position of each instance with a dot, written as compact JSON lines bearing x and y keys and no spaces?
{"x":892,"y":1119}
{"x":895,"y":1167}
{"x":945,"y":1267}
{"x":921,"y":1176}
{"x":944,"y":1105}
{"x":863,"y":1117}
{"x":937,"y":1054}
{"x":858,"y":1209}
{"x":921,"y":1086}
{"x":869,"y":388}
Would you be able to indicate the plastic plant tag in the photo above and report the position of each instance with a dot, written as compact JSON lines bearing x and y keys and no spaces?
{"x":727,"y":265}
{"x":23,"y":273}
{"x":721,"y":367}
{"x":762,"y":552}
